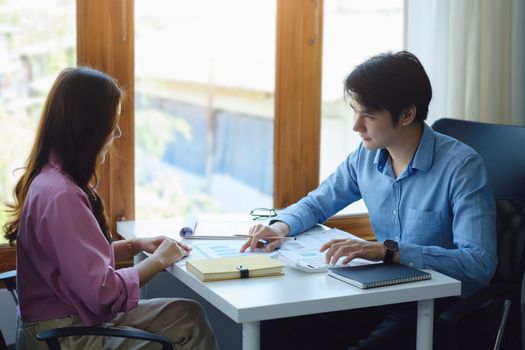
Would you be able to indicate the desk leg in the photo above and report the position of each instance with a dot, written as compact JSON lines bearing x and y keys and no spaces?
{"x":425,"y":322}
{"x":251,"y":336}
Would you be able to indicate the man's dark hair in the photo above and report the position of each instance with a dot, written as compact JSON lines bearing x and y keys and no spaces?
{"x":391,"y":81}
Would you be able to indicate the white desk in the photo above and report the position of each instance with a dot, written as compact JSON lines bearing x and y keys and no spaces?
{"x":297,"y":293}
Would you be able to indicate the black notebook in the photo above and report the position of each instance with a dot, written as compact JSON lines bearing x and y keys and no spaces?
{"x":377,"y":275}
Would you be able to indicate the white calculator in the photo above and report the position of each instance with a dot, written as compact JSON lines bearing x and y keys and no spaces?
{"x":309,"y":260}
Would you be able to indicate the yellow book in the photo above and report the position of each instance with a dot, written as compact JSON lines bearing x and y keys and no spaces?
{"x":236,"y":267}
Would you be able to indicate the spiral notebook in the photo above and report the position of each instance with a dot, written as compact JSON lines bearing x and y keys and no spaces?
{"x":378,"y":275}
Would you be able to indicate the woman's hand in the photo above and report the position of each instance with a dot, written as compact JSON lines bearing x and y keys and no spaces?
{"x":149,"y":244}
{"x":351,"y":249}
{"x":165,"y":252}
{"x":168,"y":250}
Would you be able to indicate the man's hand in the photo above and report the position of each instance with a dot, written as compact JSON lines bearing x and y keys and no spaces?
{"x":259,"y":231}
{"x":353,"y":248}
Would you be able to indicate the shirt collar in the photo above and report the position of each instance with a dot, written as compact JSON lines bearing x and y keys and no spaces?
{"x":423,"y":157}
{"x":381,"y":158}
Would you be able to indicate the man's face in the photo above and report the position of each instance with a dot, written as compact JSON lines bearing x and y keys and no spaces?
{"x":374,"y":128}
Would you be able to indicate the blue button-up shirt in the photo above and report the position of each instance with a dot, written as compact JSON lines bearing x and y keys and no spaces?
{"x":441,"y":209}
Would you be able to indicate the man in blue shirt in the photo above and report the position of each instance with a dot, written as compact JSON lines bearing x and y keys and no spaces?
{"x":427,"y":194}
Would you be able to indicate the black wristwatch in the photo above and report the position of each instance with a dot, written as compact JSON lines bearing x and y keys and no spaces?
{"x":391,"y":248}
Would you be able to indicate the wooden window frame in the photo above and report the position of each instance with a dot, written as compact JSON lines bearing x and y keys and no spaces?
{"x":105,"y":41}
{"x":297,"y":131}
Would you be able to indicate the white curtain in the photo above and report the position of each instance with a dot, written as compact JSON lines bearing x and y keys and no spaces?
{"x":474,"y":53}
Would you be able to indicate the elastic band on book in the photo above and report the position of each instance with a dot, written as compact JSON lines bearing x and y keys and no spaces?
{"x":245,"y":273}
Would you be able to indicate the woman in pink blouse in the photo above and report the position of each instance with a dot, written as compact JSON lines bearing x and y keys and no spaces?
{"x":66,"y":273}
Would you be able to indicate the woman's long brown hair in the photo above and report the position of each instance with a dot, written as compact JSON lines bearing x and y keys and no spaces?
{"x":79,"y":116}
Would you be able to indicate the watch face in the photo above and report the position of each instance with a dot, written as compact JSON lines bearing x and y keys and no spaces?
{"x":390,"y":244}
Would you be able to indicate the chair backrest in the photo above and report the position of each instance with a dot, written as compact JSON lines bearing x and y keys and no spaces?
{"x":3,"y":345}
{"x":9,"y":280}
{"x":502,"y":148}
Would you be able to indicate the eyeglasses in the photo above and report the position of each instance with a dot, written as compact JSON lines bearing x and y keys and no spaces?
{"x":262,"y":213}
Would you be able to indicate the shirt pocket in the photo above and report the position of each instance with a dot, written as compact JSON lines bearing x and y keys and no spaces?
{"x":423,"y":227}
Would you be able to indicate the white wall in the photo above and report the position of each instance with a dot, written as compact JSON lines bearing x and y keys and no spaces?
{"x":7,"y":316}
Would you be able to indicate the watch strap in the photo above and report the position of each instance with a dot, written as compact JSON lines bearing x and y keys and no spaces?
{"x":389,"y":256}
{"x":391,"y":248}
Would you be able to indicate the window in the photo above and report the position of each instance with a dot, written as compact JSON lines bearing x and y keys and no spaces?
{"x":257,"y":45}
{"x":354,"y":30}
{"x":204,"y":106}
{"x":37,"y":40}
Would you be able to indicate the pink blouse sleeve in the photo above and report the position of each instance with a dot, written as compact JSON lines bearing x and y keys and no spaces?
{"x":84,"y":259}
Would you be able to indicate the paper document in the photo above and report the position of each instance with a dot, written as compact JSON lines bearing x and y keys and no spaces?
{"x":215,"y":229}
{"x":301,"y":257}
{"x":213,"y":250}
{"x":315,"y":239}
{"x":305,"y":249}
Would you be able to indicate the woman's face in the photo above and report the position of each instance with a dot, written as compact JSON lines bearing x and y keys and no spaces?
{"x":115,"y":134}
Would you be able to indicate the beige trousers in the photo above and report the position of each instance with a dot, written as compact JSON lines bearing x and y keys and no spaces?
{"x":182,"y":321}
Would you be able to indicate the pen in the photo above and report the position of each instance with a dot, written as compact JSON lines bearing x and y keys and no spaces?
{"x":267,"y":237}
{"x":279,"y":237}
{"x":264,"y":242}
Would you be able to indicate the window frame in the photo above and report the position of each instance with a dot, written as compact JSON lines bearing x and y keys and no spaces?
{"x":105,"y":40}
{"x":297,"y":131}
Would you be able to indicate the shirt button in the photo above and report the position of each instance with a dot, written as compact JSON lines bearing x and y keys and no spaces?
{"x":394,"y":212}
{"x":411,"y":264}
{"x":396,"y":184}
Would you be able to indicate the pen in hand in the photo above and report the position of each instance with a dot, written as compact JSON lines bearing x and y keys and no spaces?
{"x":267,"y":237}
{"x":262,"y":243}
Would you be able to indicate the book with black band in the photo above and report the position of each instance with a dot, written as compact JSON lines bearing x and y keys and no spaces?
{"x":235,"y":267}
{"x":378,"y":275}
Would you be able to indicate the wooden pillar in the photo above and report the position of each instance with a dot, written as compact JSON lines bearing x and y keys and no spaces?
{"x":297,"y":99}
{"x":105,"y":41}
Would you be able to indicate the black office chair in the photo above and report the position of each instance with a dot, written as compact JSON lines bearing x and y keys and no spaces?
{"x":497,"y":307}
{"x":9,"y":280}
{"x":51,"y":337}
{"x":3,"y":344}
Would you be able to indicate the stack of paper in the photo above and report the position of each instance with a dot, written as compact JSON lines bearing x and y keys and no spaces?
{"x":215,"y":229}
{"x":236,"y":267}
